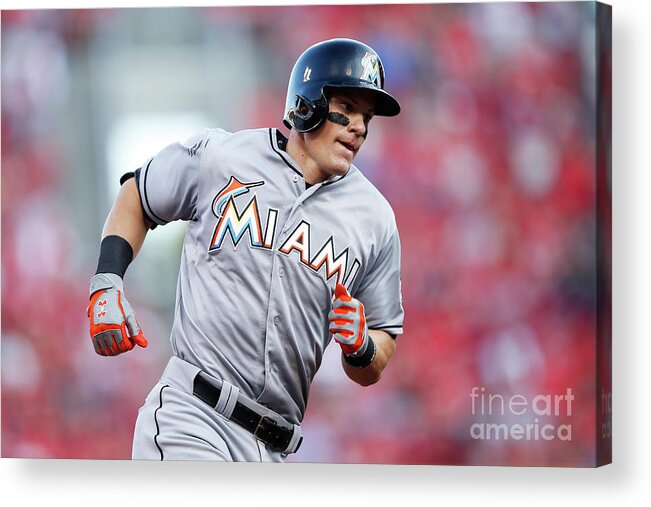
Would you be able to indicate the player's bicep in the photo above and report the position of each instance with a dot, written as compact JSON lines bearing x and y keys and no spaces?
{"x":126,"y":218}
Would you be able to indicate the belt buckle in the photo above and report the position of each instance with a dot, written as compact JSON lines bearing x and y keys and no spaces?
{"x":263,"y":420}
{"x":266,"y":423}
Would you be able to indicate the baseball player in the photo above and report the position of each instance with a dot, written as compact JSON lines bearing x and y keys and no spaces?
{"x":288,"y":246}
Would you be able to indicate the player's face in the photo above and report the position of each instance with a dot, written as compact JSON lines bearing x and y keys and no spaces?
{"x":333,"y":146}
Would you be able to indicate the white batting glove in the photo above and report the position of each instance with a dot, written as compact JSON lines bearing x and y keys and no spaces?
{"x":113,"y":325}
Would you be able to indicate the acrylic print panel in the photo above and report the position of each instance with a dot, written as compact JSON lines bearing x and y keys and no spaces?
{"x":497,"y":170}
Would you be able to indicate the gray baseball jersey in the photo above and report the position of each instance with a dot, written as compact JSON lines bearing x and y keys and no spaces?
{"x":261,"y":258}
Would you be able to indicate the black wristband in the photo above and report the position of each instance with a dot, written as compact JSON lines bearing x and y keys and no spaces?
{"x":115,"y":255}
{"x":365,"y":359}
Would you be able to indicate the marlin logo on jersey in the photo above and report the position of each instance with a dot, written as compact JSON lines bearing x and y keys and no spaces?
{"x":230,"y":221}
{"x":371,"y":69}
{"x":247,"y":224}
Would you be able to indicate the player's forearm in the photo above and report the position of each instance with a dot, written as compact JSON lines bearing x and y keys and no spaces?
{"x":385,"y":346}
{"x":126,"y":218}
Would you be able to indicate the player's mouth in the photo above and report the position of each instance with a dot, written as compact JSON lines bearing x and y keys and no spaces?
{"x":349,"y":146}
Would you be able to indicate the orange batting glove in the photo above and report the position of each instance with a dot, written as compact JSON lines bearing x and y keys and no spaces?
{"x":113,"y":325}
{"x":348,"y":322}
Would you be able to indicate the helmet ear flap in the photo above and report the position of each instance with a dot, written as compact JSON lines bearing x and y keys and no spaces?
{"x":307,"y":115}
{"x":303,"y":108}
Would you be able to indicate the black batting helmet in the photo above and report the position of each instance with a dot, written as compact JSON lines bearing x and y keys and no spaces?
{"x":334,"y":63}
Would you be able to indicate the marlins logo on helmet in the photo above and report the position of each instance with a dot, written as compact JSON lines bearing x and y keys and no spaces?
{"x":371,"y":71}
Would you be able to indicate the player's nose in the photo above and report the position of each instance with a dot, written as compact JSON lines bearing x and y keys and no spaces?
{"x":357,"y":124}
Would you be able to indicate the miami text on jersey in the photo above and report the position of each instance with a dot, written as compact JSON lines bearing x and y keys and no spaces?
{"x":247,"y":223}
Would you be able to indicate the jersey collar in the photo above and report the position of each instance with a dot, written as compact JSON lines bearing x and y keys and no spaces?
{"x":278,"y":144}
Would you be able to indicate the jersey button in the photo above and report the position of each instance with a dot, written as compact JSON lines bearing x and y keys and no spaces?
{"x":282,"y":272}
{"x":296,"y":178}
{"x":277,"y":320}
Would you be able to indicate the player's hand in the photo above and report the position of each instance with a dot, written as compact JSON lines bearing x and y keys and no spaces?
{"x":113,"y":325}
{"x":348,"y":322}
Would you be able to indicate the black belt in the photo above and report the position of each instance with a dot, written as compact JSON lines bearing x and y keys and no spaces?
{"x":270,"y":428}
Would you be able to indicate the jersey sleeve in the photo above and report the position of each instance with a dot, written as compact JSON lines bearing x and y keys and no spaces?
{"x":168,"y":182}
{"x":380,"y":290}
